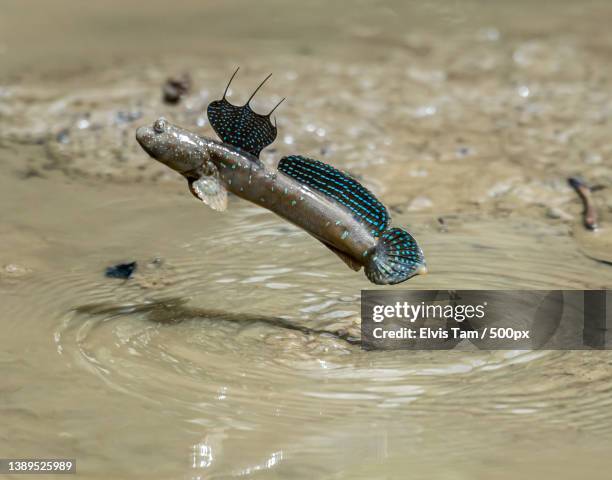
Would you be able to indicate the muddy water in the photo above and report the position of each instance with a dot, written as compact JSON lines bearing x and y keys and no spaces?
{"x":213,"y":361}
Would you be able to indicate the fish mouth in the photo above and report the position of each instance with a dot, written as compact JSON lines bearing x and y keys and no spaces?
{"x":145,"y":136}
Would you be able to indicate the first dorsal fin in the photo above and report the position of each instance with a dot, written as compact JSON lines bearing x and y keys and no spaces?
{"x":240,"y":126}
{"x":340,"y":187}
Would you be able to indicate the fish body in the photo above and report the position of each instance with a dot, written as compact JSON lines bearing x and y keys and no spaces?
{"x":247,"y":177}
{"x":325,"y":202}
{"x":301,"y":205}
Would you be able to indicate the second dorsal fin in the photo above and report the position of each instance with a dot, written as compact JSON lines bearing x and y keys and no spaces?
{"x":340,"y":187}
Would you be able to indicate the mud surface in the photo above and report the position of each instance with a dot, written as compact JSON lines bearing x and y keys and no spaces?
{"x":466,"y":119}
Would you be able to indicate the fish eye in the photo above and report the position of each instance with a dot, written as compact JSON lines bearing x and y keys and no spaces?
{"x":160,"y":125}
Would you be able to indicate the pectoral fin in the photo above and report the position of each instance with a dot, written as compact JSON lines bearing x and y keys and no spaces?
{"x":209,"y":189}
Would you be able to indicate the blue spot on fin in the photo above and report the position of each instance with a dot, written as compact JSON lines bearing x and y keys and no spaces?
{"x":340,"y":187}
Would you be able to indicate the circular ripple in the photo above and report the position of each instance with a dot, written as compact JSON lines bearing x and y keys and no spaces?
{"x":231,"y":336}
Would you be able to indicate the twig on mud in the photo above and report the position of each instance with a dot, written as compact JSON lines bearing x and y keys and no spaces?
{"x":589,"y":214}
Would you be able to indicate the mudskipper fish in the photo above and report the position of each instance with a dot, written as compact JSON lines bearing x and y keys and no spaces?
{"x":325,"y":202}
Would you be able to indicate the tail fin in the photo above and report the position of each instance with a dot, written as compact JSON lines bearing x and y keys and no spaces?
{"x":396,"y":257}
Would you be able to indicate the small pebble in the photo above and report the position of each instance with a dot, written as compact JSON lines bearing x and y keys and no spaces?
{"x":420,"y":203}
{"x":16,"y":270}
{"x":63,"y":136}
{"x":557,"y":213}
{"x":155,"y":262}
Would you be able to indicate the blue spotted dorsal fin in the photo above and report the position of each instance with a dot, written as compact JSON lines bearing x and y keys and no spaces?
{"x":340,"y":187}
{"x":240,"y":126}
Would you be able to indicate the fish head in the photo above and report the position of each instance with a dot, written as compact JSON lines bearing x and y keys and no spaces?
{"x":175,"y":147}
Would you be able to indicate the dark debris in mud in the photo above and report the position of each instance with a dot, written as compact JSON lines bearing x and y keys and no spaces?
{"x":121,"y":270}
{"x":175,"y":88}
